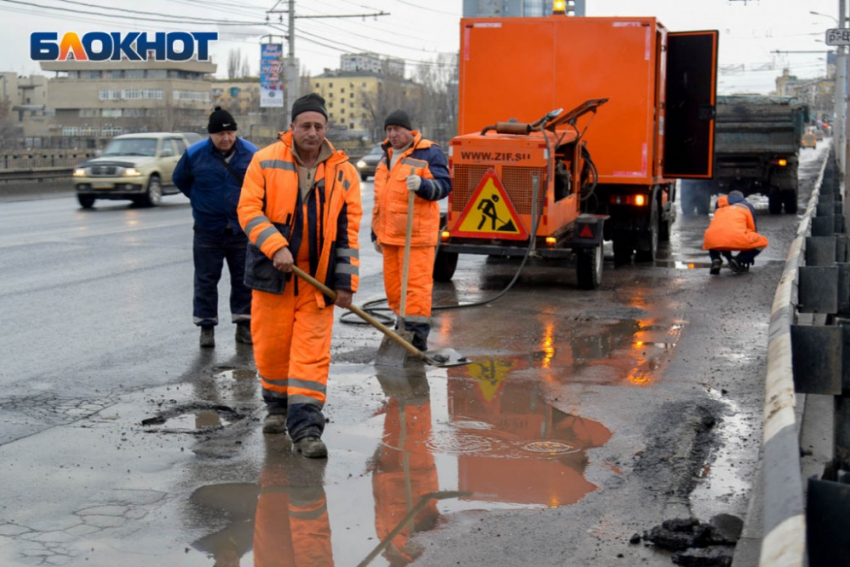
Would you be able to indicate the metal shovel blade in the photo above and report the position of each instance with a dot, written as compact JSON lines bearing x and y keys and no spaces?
{"x":445,"y":358}
{"x":390,"y":353}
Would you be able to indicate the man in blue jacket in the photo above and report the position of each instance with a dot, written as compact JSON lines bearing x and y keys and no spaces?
{"x":210,"y":173}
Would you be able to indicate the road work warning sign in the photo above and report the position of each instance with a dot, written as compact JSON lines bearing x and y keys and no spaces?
{"x":490,"y":213}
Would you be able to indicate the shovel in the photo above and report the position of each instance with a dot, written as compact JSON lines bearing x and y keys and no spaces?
{"x":444,"y":357}
{"x":389,"y":353}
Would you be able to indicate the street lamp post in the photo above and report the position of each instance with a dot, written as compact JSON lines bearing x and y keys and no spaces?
{"x":840,"y":125}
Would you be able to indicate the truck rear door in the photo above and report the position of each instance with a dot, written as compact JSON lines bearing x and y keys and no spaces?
{"x":691,"y":92}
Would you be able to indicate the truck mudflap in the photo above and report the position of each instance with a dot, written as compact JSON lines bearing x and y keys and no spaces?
{"x":589,"y":230}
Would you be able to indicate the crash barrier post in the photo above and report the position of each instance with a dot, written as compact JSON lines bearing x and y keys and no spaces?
{"x":806,"y":356}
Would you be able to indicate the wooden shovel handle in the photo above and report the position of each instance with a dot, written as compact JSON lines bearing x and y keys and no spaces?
{"x":359,"y":312}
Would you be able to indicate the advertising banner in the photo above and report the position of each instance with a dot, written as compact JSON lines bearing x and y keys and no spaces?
{"x":271,"y":87}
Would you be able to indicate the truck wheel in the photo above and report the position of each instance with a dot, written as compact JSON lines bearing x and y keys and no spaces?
{"x":153,"y":196}
{"x":589,"y":267}
{"x":789,"y":199}
{"x":86,"y":201}
{"x":652,"y":236}
{"x":445,"y":264}
{"x":623,"y":248}
{"x":774,"y":202}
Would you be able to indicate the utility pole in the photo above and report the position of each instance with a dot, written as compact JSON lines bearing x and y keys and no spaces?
{"x":291,"y":72}
{"x":840,"y":133}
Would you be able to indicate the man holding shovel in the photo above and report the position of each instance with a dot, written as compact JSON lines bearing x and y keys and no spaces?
{"x":300,"y":207}
{"x":411,"y":165}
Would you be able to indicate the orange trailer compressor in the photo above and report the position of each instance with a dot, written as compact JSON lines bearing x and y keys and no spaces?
{"x":656,"y":125}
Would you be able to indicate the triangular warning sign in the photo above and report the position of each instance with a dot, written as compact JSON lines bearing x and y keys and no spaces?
{"x":490,"y":213}
{"x":490,"y":376}
{"x":585,"y":232}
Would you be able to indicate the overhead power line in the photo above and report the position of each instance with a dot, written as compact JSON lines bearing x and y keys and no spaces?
{"x":156,"y":18}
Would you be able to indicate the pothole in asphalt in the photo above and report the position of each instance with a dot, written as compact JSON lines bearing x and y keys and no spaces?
{"x":194,"y":418}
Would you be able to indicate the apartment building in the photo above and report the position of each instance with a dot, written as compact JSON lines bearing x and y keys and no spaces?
{"x":97,"y":99}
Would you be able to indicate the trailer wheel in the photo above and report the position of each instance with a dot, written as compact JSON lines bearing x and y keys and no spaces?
{"x":589,"y":267}
{"x":445,"y":264}
{"x":774,"y":202}
{"x":789,"y":199}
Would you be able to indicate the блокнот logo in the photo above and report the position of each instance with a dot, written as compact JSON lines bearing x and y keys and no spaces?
{"x":135,"y":46}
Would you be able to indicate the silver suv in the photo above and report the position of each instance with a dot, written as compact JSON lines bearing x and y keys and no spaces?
{"x":135,"y":167}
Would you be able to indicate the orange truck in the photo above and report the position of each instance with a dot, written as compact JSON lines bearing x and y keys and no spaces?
{"x":642,"y":101}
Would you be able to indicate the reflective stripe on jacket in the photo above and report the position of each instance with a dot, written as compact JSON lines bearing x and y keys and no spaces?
{"x":389,"y":217}
{"x":732,"y":228}
{"x":271,"y":213}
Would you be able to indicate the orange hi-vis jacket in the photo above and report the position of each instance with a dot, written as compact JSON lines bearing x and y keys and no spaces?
{"x":732,"y":228}
{"x":389,"y":216}
{"x":272,"y":215}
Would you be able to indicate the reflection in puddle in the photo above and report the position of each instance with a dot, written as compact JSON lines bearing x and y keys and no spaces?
{"x":491,"y":440}
{"x":530,"y":453}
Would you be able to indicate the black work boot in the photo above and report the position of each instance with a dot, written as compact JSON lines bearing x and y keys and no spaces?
{"x":207,"y":337}
{"x":275,"y":423}
{"x":243,"y":333}
{"x":312,"y":447}
{"x":715,"y":267}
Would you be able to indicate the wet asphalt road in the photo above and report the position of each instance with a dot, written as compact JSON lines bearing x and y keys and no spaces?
{"x":587,"y":416}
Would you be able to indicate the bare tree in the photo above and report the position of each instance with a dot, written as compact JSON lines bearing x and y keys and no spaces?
{"x":234,"y":60}
{"x":393,"y":93}
{"x":246,"y":67}
{"x":439,"y":82}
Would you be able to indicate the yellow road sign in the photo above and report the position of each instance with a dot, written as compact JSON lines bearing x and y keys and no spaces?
{"x":490,"y":213}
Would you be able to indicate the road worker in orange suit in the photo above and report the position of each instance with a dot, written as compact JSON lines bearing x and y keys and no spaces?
{"x":410,"y":163}
{"x":733,"y":228}
{"x":292,"y":525}
{"x":300,"y":205}
{"x":403,"y":467}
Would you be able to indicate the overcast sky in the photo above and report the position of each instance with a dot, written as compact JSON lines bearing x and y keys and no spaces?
{"x":418,"y":30}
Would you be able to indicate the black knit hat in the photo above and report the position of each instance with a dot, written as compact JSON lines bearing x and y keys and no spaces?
{"x":220,"y":120}
{"x":309,"y":103}
{"x":398,"y":118}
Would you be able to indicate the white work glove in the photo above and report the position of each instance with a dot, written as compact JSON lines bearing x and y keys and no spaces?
{"x":378,"y":247}
{"x":413,"y":182}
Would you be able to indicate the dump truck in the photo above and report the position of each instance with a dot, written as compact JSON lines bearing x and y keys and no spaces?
{"x":609,"y":172}
{"x":757,"y":139}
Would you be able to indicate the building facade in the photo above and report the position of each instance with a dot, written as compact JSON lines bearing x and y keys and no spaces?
{"x":358,"y":102}
{"x":101,"y":99}
{"x":371,"y":63}
{"x":517,"y":8}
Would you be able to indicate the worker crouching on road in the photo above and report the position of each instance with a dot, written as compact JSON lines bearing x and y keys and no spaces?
{"x":410,"y":163}
{"x":300,"y":206}
{"x":210,"y":173}
{"x":733,"y":228}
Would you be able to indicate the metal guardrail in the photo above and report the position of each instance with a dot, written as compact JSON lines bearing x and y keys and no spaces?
{"x":43,"y":159}
{"x":36,"y":174}
{"x":808,"y":527}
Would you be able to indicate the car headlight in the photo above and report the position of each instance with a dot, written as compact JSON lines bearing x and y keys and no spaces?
{"x":361,"y":164}
{"x":80,"y":172}
{"x":131,"y":172}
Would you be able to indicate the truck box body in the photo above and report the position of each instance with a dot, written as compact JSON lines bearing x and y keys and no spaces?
{"x":523,"y":68}
{"x":758,"y":125}
{"x":757,"y":139}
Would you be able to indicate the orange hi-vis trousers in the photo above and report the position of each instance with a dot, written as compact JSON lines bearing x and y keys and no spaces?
{"x":292,"y":528}
{"x":420,"y":281}
{"x":292,"y":343}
